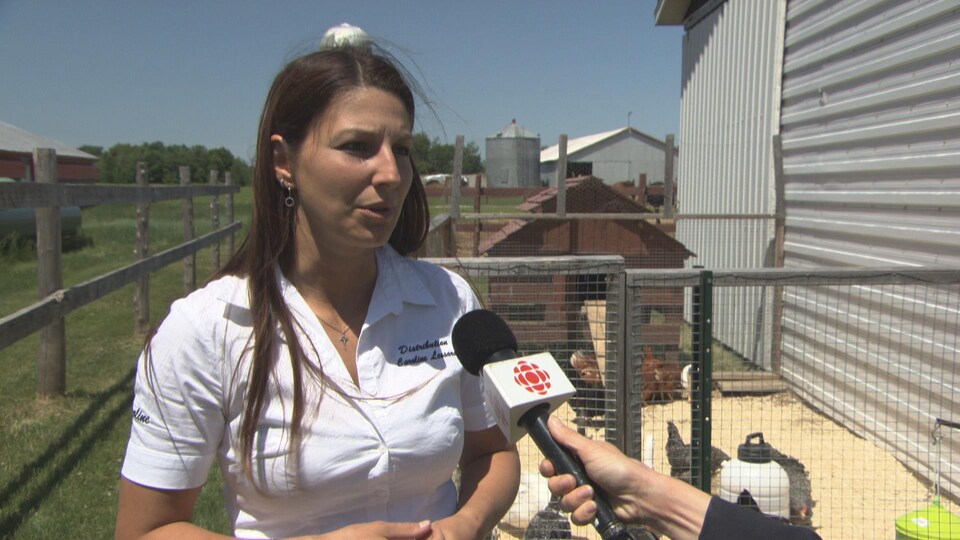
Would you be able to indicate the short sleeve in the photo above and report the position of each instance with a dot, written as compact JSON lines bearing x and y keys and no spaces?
{"x":178,"y":418}
{"x":477,"y":415}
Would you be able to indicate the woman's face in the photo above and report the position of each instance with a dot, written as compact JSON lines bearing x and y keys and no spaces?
{"x":353,"y":172}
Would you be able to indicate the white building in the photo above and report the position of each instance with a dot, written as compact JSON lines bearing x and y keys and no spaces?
{"x":621,"y":155}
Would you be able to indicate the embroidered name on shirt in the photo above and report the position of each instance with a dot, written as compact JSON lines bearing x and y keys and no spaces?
{"x":140,"y":416}
{"x":418,"y":353}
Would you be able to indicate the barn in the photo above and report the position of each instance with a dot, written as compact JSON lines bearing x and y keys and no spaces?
{"x":621,"y":155}
{"x":16,"y":157}
{"x":642,"y":245}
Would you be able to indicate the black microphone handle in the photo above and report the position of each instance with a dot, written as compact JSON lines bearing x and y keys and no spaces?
{"x":535,"y":422}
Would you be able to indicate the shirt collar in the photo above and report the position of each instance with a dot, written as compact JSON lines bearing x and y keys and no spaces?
{"x":397,"y":283}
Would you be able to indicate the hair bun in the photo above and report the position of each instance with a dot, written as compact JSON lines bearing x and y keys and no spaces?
{"x":345,"y":35}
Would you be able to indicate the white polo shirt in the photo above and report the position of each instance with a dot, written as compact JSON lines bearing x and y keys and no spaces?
{"x":383,"y":451}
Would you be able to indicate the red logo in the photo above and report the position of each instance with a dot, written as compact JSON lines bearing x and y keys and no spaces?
{"x":531,"y":377}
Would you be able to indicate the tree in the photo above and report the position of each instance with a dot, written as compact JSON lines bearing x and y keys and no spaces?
{"x":118,"y":164}
{"x":432,"y":157}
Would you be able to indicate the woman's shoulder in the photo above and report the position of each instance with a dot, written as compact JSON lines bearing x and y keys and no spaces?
{"x":433,"y":274}
{"x":215,"y":294}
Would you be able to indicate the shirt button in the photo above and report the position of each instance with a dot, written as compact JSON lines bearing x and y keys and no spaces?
{"x":382,"y":449}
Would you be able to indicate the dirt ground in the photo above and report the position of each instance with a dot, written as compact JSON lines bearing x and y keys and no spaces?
{"x":858,"y":488}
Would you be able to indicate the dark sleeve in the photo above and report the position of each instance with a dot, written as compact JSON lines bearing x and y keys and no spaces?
{"x":726,"y":520}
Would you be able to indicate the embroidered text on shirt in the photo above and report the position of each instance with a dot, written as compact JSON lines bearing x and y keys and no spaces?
{"x":434,"y":348}
{"x":140,"y":416}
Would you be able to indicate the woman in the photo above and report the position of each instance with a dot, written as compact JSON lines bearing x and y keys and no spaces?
{"x":318,"y":368}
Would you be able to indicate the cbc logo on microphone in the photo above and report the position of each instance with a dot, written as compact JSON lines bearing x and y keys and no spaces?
{"x":531,"y":377}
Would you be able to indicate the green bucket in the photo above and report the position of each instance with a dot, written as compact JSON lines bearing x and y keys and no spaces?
{"x":932,"y":523}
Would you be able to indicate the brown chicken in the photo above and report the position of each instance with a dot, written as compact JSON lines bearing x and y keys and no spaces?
{"x":659,"y":379}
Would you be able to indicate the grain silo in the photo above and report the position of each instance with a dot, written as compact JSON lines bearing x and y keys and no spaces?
{"x":513,"y":157}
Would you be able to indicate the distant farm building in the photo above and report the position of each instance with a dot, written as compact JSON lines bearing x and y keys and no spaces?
{"x":642,"y":244}
{"x":513,"y":158}
{"x":621,"y":155}
{"x":16,"y":157}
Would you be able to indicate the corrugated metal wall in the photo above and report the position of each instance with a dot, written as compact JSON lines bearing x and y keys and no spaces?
{"x":871,"y":144}
{"x":728,"y":116}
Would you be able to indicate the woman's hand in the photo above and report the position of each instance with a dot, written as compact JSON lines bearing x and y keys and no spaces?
{"x":452,"y":528}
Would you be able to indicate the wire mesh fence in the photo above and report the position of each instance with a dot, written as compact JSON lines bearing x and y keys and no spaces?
{"x":845,"y":373}
{"x":849,"y":375}
{"x":570,"y":307}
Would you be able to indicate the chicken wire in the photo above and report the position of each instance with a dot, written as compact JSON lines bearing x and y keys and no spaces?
{"x":844,"y":372}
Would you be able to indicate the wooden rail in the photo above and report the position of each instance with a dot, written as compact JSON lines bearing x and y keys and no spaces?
{"x":46,"y":195}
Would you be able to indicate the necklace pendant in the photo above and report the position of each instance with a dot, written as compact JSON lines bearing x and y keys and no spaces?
{"x":343,"y":339}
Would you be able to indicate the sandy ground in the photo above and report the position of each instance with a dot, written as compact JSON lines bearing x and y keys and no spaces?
{"x":859,"y":488}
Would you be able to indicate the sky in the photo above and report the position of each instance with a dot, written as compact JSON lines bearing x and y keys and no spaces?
{"x":196,"y":72}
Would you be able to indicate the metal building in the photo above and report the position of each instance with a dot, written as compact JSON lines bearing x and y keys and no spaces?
{"x":865,"y":97}
{"x":620,"y":155}
{"x":513,"y":157}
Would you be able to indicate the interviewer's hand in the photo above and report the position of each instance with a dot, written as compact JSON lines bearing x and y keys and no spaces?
{"x":378,"y":530}
{"x":618,"y":476}
{"x":637,"y":493}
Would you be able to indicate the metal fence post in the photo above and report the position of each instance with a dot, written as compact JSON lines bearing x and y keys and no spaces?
{"x":702,"y":382}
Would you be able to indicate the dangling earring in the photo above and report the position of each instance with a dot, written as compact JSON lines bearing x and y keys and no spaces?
{"x":288,"y":201}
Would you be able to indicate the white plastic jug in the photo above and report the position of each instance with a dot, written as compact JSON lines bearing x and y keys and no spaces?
{"x":754,"y":477}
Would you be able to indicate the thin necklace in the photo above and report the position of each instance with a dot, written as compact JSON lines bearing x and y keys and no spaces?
{"x":343,"y":333}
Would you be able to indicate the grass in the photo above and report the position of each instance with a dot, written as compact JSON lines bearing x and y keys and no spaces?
{"x":60,"y":457}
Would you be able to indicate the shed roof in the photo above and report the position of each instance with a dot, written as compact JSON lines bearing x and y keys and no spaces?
{"x":552,"y":153}
{"x":19,"y":141}
{"x":585,"y":194}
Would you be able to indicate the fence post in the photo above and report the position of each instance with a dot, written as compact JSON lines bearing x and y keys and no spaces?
{"x":702,"y":382}
{"x":228,"y":180}
{"x":186,"y":210}
{"x":668,"y":174}
{"x":52,"y":357}
{"x":779,"y":239}
{"x":141,"y":292}
{"x":455,"y":179}
{"x":215,"y":220}
{"x":562,"y":176}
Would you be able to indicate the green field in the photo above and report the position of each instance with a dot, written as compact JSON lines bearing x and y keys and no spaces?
{"x":60,"y":458}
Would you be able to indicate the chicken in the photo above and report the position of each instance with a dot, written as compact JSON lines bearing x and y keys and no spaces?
{"x":686,"y":381}
{"x":549,"y":523}
{"x":679,"y":455}
{"x":801,"y":492}
{"x":659,"y":380}
{"x":587,"y":367}
{"x":585,"y":376}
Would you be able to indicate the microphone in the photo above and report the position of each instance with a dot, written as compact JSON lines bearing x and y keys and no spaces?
{"x":522,"y":391}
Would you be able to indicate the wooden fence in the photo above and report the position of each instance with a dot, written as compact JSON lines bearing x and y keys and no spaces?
{"x":47,"y":196}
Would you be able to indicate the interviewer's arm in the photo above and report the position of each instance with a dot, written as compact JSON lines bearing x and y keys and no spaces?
{"x":489,"y":480}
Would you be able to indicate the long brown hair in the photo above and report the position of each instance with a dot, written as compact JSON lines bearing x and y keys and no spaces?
{"x":300,"y":94}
